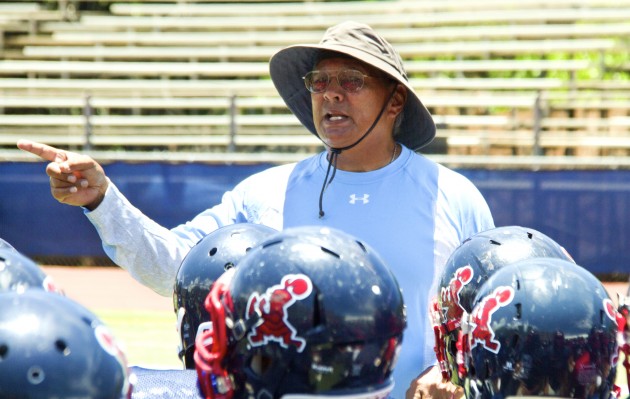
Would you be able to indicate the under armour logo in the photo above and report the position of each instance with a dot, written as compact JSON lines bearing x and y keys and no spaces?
{"x":365,"y":199}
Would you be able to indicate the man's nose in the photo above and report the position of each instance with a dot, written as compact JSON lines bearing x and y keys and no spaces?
{"x":334,"y":90}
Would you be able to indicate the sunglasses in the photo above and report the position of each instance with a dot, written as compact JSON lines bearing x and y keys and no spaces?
{"x":349,"y":80}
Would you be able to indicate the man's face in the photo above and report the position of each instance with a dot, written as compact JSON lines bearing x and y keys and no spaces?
{"x":342,"y":117}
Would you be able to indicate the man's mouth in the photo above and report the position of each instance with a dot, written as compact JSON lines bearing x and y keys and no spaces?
{"x":335,"y":117}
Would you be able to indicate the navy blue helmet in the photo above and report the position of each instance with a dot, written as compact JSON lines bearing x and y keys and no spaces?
{"x":18,"y":273}
{"x":309,"y":311}
{"x":542,"y":327}
{"x":468,"y":267}
{"x":6,"y":245}
{"x":207,"y":260}
{"x":53,"y":347}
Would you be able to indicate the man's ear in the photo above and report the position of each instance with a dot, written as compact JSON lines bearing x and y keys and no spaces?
{"x":398,"y":99}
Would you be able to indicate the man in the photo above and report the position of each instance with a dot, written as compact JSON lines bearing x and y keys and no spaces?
{"x":369,"y":182}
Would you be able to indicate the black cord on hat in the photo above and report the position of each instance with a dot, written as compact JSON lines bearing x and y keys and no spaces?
{"x":334,"y":154}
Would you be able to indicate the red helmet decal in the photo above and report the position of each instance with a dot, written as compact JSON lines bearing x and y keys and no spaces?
{"x":452,"y":307}
{"x":611,"y":312}
{"x":272,"y":307}
{"x":481,"y":318}
{"x":50,"y":285}
{"x":107,"y":341}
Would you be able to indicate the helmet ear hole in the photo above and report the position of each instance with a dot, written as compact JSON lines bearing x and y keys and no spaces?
{"x":62,"y":347}
{"x":35,"y":375}
{"x":519,"y":311}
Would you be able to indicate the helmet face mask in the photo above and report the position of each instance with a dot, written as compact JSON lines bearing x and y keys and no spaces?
{"x":305,"y":312}
{"x":531,"y":335}
{"x":468,"y":267}
{"x":217,"y":252}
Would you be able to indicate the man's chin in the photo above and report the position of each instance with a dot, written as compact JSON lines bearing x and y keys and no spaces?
{"x":338,"y":140}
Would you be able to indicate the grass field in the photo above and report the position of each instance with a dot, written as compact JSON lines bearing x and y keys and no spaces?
{"x":149,"y":337}
{"x":143,"y":321}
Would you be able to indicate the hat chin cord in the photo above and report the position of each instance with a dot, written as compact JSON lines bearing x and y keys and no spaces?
{"x":334,"y":153}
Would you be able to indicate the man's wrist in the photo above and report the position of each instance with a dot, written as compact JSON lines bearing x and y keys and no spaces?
{"x":94,"y":204}
{"x":99,"y":198}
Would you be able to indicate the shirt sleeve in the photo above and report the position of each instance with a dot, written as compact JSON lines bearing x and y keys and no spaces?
{"x":467,"y":214}
{"x":466,"y":201}
{"x":150,"y":252}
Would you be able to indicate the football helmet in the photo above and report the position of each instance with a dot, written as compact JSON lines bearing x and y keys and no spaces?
{"x":53,"y":347}
{"x":6,"y":245}
{"x":206,"y":261}
{"x":309,"y":311}
{"x":467,"y":268}
{"x":542,"y":327}
{"x":18,"y":273}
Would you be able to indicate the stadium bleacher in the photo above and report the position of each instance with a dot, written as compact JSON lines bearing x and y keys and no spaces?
{"x":507,"y":77}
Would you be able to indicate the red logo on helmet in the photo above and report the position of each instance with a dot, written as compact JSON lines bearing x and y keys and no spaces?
{"x":107,"y":341}
{"x":450,"y":295}
{"x":481,"y":318}
{"x":50,"y":285}
{"x":272,"y":308}
{"x":611,"y":312}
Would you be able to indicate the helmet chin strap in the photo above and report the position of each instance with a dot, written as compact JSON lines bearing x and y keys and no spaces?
{"x":334,"y":153}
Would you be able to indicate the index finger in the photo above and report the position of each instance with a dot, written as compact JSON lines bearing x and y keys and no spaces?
{"x":42,"y":150}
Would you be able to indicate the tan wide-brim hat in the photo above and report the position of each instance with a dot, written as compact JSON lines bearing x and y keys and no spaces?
{"x":289,"y":65}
